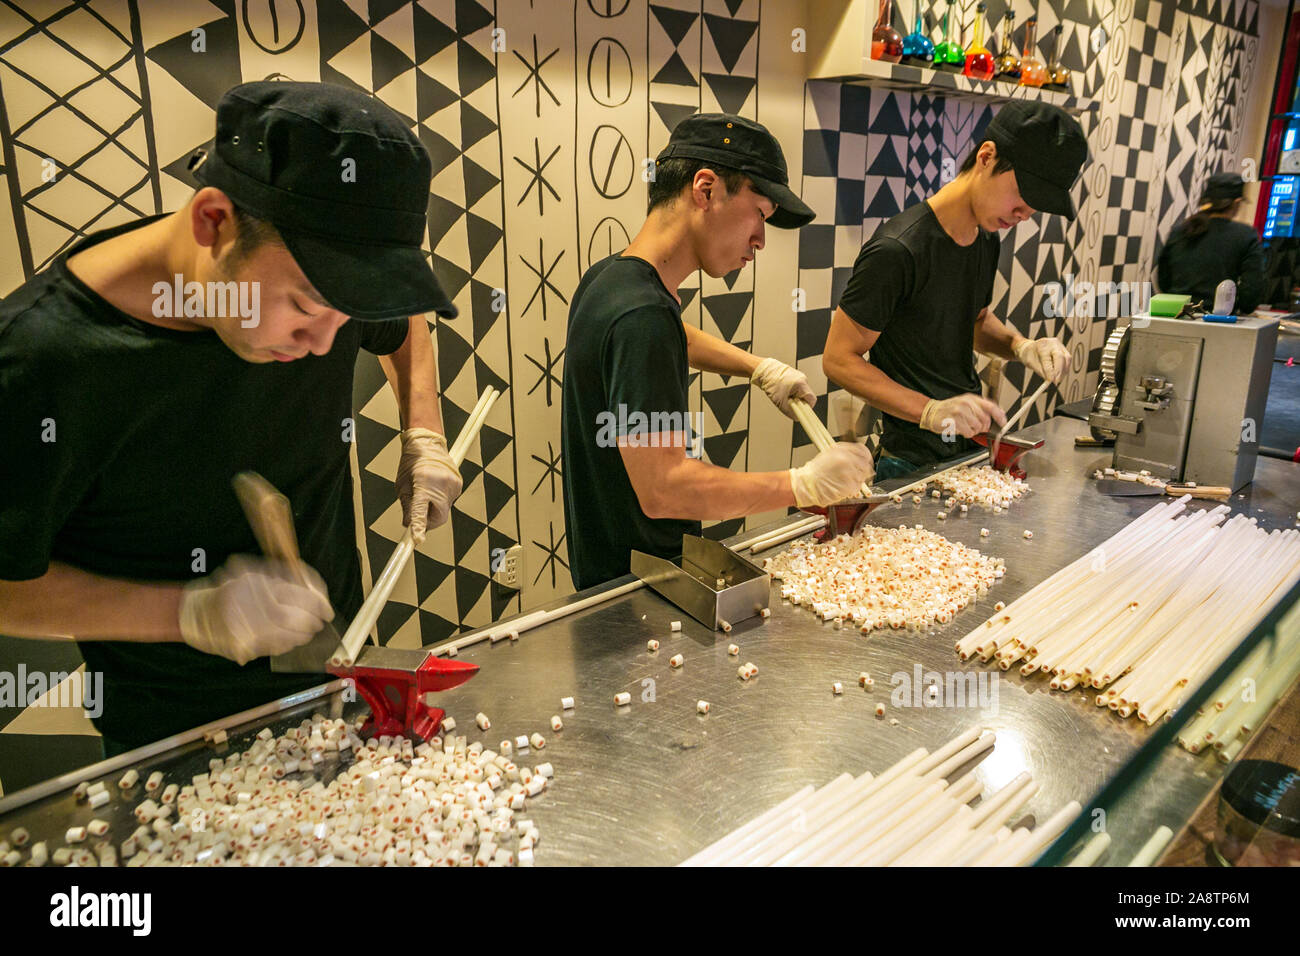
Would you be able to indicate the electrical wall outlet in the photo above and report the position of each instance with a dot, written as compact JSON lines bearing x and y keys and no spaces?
{"x":508,"y":566}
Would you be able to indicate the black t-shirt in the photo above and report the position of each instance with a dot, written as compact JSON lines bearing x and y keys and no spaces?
{"x":923,"y":293}
{"x":1196,"y":265}
{"x":149,"y":426}
{"x":625,"y":357}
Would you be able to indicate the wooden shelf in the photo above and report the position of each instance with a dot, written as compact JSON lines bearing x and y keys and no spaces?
{"x":839,"y":44}
{"x":901,"y":76}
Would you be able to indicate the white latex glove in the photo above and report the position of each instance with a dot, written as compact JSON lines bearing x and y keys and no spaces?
{"x":1048,"y":357}
{"x":835,"y":474}
{"x":782,"y":384}
{"x":252,"y":607}
{"x":428,"y":481}
{"x":966,"y":415}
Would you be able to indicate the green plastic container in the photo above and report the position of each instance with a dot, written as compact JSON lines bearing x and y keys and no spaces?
{"x":1167,"y":306}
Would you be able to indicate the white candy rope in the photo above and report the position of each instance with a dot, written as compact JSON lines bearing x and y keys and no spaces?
{"x":909,"y":815}
{"x":885,"y":577}
{"x":1128,"y":618}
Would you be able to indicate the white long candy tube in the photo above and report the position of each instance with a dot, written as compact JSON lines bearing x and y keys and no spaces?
{"x":1116,"y":548}
{"x":931,"y":813}
{"x":1152,"y":848}
{"x":1091,"y":851}
{"x":908,"y":815}
{"x":789,"y":534}
{"x":720,"y":849}
{"x":1087,"y":636}
{"x":817,"y":432}
{"x":885,"y":784}
{"x":820,"y":807}
{"x":1015,"y":419}
{"x":537,"y":618}
{"x":807,"y":521}
{"x":355,"y":637}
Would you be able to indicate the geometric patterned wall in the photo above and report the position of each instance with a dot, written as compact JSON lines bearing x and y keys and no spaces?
{"x":1171,"y":86}
{"x":539,"y":124}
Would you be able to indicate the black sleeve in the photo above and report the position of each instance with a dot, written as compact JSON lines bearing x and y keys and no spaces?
{"x":882,"y":278}
{"x":1163,"y":278}
{"x":45,"y":467}
{"x":1250,"y":284}
{"x":639,"y":350}
{"x":383,"y":338}
{"x":993,"y":269}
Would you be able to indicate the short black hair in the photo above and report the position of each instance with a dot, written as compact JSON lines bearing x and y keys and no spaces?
{"x":251,"y":233}
{"x":1000,"y":165}
{"x":674,"y":174}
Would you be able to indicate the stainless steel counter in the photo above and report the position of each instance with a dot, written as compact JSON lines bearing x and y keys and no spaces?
{"x":652,"y":783}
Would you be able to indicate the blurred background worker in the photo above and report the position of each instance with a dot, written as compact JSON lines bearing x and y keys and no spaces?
{"x":1210,"y":246}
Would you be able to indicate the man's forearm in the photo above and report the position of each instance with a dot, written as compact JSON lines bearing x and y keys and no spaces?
{"x":696,"y":490}
{"x":995,"y":337}
{"x":413,"y":374}
{"x":869,"y":383}
{"x":69,"y":602}
{"x":710,"y":354}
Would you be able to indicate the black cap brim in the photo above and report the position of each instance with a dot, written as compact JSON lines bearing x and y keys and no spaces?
{"x":791,"y":211}
{"x":370,"y":281}
{"x":1044,"y":195}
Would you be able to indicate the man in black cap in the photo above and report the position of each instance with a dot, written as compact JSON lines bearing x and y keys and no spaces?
{"x":630,"y":481}
{"x":1210,"y":246}
{"x":155,"y":360}
{"x":919,"y":295}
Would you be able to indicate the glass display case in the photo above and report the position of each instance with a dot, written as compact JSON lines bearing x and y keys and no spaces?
{"x":1218,"y":783}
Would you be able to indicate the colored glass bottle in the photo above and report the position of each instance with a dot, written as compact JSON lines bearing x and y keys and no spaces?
{"x":1006,"y":65}
{"x":949,"y":55}
{"x":1058,"y":76}
{"x":886,"y":44}
{"x":979,"y":61}
{"x":1032,"y":71}
{"x":918,"y":49}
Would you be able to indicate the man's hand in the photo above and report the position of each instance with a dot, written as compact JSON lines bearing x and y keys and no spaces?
{"x":967,"y":415}
{"x":835,"y":474}
{"x":427,"y":481}
{"x":1048,"y":357}
{"x":783,"y":384}
{"x":252,"y":607}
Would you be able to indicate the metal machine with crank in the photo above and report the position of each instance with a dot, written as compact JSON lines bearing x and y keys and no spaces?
{"x":1184,"y":398}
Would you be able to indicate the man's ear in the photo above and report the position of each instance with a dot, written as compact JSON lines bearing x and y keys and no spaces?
{"x":212,"y":219}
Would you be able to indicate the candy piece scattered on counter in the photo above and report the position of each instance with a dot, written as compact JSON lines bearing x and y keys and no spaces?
{"x":733,"y":650}
{"x":675,"y":626}
{"x":702,"y":706}
{"x":482,"y":720}
{"x":652,"y":644}
{"x":623,"y":699}
{"x":880,"y":710}
{"x":556,"y":723}
{"x":676,"y":660}
{"x":767,"y":611}
{"x":566,"y":703}
{"x":837,"y":688}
